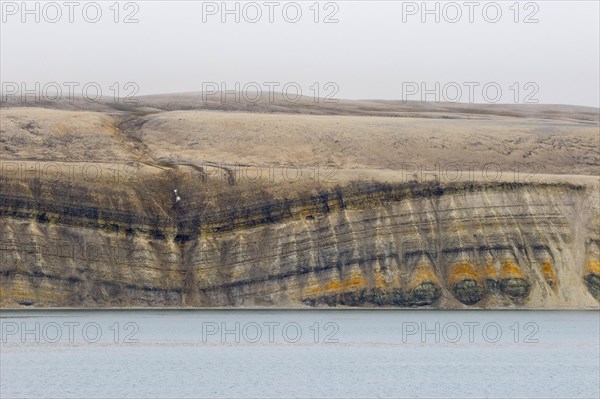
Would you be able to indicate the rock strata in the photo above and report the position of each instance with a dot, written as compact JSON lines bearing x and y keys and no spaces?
{"x":358,"y":244}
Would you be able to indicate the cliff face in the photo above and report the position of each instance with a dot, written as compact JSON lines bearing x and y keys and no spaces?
{"x":446,"y":246}
{"x":361,"y":203}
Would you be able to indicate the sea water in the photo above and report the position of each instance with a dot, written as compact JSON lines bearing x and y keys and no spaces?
{"x":302,"y":353}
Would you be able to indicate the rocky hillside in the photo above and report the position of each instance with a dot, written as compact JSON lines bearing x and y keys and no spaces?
{"x":88,"y":215}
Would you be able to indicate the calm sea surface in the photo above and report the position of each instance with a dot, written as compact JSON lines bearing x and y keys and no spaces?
{"x":281,"y":354}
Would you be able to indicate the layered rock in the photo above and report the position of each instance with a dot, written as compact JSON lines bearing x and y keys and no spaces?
{"x":447,"y":246}
{"x":307,"y":204}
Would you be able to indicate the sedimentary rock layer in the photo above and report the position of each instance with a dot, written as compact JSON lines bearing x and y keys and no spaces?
{"x":439,"y":245}
{"x":358,"y":203}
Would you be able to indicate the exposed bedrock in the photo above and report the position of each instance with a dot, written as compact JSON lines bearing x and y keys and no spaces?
{"x":592,"y":277}
{"x":452,"y":246}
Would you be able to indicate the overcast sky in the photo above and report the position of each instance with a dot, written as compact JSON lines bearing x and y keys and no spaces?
{"x":375,"y":49}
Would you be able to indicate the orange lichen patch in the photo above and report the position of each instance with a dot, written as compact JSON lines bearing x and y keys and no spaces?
{"x":463,"y":271}
{"x":355,"y":281}
{"x":511,"y":270}
{"x":490,"y":271}
{"x":379,"y":280}
{"x":593,"y":267}
{"x":332,"y":286}
{"x":549,"y":274}
{"x":423,"y":274}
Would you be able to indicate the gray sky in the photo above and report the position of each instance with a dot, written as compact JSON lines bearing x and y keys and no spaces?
{"x":375,"y":50}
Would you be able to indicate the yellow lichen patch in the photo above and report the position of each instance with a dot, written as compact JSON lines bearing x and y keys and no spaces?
{"x":593,"y":267}
{"x":423,"y":273}
{"x":379,"y":280}
{"x":333,"y":286}
{"x":490,"y":271}
{"x":511,"y":270}
{"x":463,"y":271}
{"x":354,"y":281}
{"x":549,"y":274}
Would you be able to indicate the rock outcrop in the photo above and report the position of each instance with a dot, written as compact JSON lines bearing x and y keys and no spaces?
{"x":360,"y":203}
{"x":361,"y":244}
